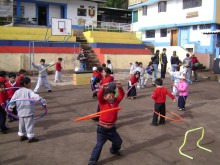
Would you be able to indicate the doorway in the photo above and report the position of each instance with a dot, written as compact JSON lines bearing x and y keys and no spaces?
{"x":174,"y":37}
{"x":42,"y":15}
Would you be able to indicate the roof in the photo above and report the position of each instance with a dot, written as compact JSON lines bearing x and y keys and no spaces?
{"x":149,"y":2}
{"x":116,"y":9}
{"x":212,"y":32}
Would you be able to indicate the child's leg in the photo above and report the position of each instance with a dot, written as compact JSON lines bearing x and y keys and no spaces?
{"x":2,"y":119}
{"x":181,"y":102}
{"x":59,"y":76}
{"x":46,"y":84}
{"x":21,"y":127}
{"x":155,"y":116}
{"x":39,"y":83}
{"x":162,"y":112}
{"x":29,"y":126}
{"x":116,"y":140}
{"x":101,"y":139}
{"x":56,"y":76}
{"x":185,"y":97}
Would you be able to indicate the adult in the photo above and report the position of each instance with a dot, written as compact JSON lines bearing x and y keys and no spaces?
{"x":163,"y":61}
{"x":187,"y":65}
{"x":82,"y":60}
{"x":174,"y":60}
{"x":195,"y":65}
{"x":155,"y":60}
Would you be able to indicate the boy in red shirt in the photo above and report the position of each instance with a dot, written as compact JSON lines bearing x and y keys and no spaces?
{"x":3,"y":76}
{"x":10,"y":92}
{"x":3,"y":99}
{"x":106,"y":129}
{"x":95,"y":78}
{"x":159,"y":97}
{"x":58,"y":71}
{"x":21,"y":74}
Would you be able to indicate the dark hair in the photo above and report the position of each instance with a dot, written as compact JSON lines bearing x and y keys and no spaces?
{"x":140,"y":63}
{"x":164,"y":49}
{"x":12,"y":74}
{"x":1,"y":83}
{"x":108,"y":71}
{"x":107,"y":91}
{"x":42,"y":60}
{"x":2,"y":73}
{"x":150,"y":63}
{"x":103,"y":65}
{"x":24,"y":80}
{"x":187,"y":55}
{"x":136,"y":62}
{"x":157,"y":51}
{"x":108,"y":62}
{"x":137,"y":72}
{"x":22,"y":71}
{"x":100,"y":69}
{"x":177,"y":68}
{"x":60,"y":59}
{"x":159,"y":81}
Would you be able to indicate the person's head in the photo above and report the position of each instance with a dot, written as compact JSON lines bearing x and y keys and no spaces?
{"x":104,"y":65}
{"x":137,"y":74}
{"x":106,"y":72}
{"x":158,"y":82}
{"x":2,"y":86}
{"x":12,"y":76}
{"x":193,"y":55}
{"x":187,"y":54}
{"x":2,"y":73}
{"x":109,"y":95}
{"x":150,"y":63}
{"x":164,"y":49}
{"x":108,"y":62}
{"x":174,"y":53}
{"x":140,"y":64}
{"x":136,"y":63}
{"x":157,"y":51}
{"x":182,"y":77}
{"x":112,"y":86}
{"x":22,"y":71}
{"x":60,"y":59}
{"x":94,"y":68}
{"x":99,"y":69}
{"x":25,"y":82}
{"x":42,"y":61}
{"x":82,"y":51}
{"x":177,"y":68}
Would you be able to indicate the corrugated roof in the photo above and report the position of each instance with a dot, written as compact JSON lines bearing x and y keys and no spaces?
{"x":212,"y":32}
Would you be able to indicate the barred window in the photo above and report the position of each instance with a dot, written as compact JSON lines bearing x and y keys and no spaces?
{"x":144,"y":9}
{"x":205,"y":26}
{"x":195,"y":27}
{"x":191,"y":3}
{"x":163,"y":32}
{"x":162,"y":6}
{"x":150,"y":34}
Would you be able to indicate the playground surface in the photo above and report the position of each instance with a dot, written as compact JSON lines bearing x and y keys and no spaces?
{"x":64,"y":142}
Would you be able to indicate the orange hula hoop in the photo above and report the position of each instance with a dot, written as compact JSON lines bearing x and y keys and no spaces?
{"x":169,"y":118}
{"x":96,"y":114}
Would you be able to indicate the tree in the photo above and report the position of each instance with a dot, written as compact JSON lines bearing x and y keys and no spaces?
{"x":118,"y":3}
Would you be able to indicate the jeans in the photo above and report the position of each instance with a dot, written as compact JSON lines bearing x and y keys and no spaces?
{"x":104,"y":134}
{"x":173,"y":68}
{"x":155,"y":70}
{"x":163,"y":70}
{"x":82,"y":66}
{"x":182,"y":101}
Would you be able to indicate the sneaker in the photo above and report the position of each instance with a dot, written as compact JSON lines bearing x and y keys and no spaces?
{"x":113,"y":152}
{"x":196,"y":80}
{"x":49,"y":91}
{"x":23,"y":138}
{"x":32,"y":140}
{"x":180,"y":109}
{"x":92,"y":163}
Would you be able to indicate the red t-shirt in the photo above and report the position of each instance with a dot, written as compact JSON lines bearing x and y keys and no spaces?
{"x":19,"y":78}
{"x":3,"y":98}
{"x":107,"y":80}
{"x":97,"y":74}
{"x":3,"y":79}
{"x":194,"y":60}
{"x":133,"y":79}
{"x":58,"y":66}
{"x":111,"y":116}
{"x":160,"y":93}
{"x":11,"y":92}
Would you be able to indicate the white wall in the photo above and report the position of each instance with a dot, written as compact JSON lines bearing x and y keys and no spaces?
{"x":199,"y":37}
{"x":29,"y":10}
{"x":54,"y":11}
{"x":175,"y":14}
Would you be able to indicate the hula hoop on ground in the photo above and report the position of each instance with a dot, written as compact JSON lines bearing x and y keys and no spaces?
{"x":12,"y":88}
{"x":30,"y":100}
{"x":169,"y":118}
{"x":96,"y":114}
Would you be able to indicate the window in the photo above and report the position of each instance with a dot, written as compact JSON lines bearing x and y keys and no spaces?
{"x":163,"y":32}
{"x":144,"y":9}
{"x":195,"y":27}
{"x":81,"y":12}
{"x":205,"y":26}
{"x":15,"y":10}
{"x":150,"y":34}
{"x":135,"y":16}
{"x":191,"y":3}
{"x":162,"y":6}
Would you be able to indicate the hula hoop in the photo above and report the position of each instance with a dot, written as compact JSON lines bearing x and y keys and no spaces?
{"x":96,"y":114}
{"x":12,"y":88}
{"x":169,"y":118}
{"x":31,"y":100}
{"x":130,"y":89}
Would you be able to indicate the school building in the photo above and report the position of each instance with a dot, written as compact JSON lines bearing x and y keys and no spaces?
{"x":178,"y":24}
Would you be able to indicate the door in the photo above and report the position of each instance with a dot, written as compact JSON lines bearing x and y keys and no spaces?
{"x":184,"y":31}
{"x":42,"y":15}
{"x":174,"y":37}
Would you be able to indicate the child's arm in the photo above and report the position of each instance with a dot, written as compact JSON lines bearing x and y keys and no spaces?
{"x":154,"y":96}
{"x":36,"y":66}
{"x":121,"y":92}
{"x":170,"y":94}
{"x":101,"y":95}
{"x":36,"y":97}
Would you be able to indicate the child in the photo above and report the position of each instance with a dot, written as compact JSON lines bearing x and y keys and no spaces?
{"x":106,"y":129}
{"x":133,"y":80}
{"x":176,"y":80}
{"x":10,"y":92}
{"x":3,"y":76}
{"x":96,"y":78}
{"x":109,"y":65}
{"x":150,"y":70}
{"x":3,"y":99}
{"x":58,"y":71}
{"x":21,"y":74}
{"x":159,"y":97}
{"x":26,"y":110}
{"x":42,"y":79}
{"x":140,"y":69}
{"x":182,"y":87}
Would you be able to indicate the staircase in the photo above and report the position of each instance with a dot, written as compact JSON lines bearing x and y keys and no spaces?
{"x":92,"y":58}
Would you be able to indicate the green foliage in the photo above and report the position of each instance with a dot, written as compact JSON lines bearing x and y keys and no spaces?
{"x":118,"y":3}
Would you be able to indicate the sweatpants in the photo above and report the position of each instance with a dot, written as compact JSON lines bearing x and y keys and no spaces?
{"x":58,"y":76}
{"x":26,"y":126}
{"x":159,"y":108}
{"x":182,"y":101}
{"x":42,"y":81}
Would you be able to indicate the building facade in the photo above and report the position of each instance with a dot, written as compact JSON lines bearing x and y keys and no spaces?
{"x":178,"y":23}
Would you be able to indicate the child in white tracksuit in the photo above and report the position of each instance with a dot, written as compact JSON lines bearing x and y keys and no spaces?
{"x":42,"y":79}
{"x":25,"y":110}
{"x":176,"y":80}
